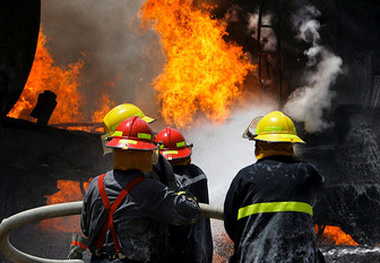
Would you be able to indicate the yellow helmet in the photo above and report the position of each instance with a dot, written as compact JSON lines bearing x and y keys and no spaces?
{"x":120,"y":113}
{"x":273,"y":127}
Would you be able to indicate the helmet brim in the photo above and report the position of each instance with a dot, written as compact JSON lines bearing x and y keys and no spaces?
{"x":279,"y":138}
{"x":128,"y":144}
{"x":148,"y":119}
{"x":176,"y":154}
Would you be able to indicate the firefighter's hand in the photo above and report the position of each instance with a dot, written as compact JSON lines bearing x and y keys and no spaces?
{"x":188,"y":195}
{"x":77,"y":247}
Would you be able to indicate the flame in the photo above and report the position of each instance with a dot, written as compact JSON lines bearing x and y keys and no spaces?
{"x":70,"y":191}
{"x":335,"y":235}
{"x":104,"y":105}
{"x":202,"y":71}
{"x":44,"y":75}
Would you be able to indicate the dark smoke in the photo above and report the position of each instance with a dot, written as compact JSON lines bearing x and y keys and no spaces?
{"x":115,"y":48}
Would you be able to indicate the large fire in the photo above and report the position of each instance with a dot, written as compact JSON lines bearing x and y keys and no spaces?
{"x":44,"y":75}
{"x":202,"y":71}
{"x":64,"y":82}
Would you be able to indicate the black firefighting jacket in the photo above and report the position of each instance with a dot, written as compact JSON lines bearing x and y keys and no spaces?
{"x":268,"y":212}
{"x":149,"y":201}
{"x":191,"y":243}
{"x":163,"y":171}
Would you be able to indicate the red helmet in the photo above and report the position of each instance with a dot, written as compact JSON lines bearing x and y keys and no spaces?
{"x":133,"y":134}
{"x":173,"y":144}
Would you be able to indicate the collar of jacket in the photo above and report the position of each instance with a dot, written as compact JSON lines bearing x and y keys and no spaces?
{"x":265,"y":149}
{"x":280,"y":158}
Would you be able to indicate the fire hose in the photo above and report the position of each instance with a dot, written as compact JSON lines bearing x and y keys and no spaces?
{"x":57,"y":210}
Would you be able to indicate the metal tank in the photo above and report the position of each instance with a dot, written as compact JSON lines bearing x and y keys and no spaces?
{"x":19,"y":26}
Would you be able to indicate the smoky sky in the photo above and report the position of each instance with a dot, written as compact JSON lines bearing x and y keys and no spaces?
{"x":107,"y":36}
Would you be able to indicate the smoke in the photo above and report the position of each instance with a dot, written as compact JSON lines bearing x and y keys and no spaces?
{"x":119,"y":58}
{"x":309,"y":103}
{"x":268,"y":39}
{"x":220,"y":151}
{"x":232,"y":14}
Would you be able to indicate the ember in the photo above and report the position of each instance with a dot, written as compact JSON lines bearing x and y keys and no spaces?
{"x":202,"y":71}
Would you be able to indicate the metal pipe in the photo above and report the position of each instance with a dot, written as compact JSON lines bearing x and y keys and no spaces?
{"x":57,"y":210}
{"x":211,"y":211}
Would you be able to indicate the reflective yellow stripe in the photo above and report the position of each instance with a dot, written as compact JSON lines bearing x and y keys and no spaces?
{"x":180,"y":144}
{"x":269,"y":128}
{"x":128,"y":141}
{"x":170,"y":152}
{"x":118,"y":133}
{"x":275,"y":207}
{"x":272,"y":128}
{"x":144,"y":136}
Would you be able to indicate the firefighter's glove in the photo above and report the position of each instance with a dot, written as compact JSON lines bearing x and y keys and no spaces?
{"x":189,"y":196}
{"x":77,"y":247}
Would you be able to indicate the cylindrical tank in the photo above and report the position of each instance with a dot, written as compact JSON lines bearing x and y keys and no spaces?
{"x":19,"y":27}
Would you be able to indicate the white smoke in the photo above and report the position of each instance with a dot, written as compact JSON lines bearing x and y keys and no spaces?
{"x":268,"y":39}
{"x":308,"y":103}
{"x":220,"y":151}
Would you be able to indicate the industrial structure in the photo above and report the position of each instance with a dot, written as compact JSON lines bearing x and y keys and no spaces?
{"x":35,"y":155}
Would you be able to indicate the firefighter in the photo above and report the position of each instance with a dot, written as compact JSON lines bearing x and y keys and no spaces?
{"x":189,"y":243}
{"x":162,"y":171}
{"x":114,"y":117}
{"x":121,"y":206}
{"x":269,"y":205}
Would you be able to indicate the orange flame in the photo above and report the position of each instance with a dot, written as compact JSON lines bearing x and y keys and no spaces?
{"x":45,"y":76}
{"x":104,"y":105}
{"x":335,"y":235}
{"x":202,"y":71}
{"x":70,"y":191}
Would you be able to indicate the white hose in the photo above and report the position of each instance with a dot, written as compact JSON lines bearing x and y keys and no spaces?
{"x":57,"y":210}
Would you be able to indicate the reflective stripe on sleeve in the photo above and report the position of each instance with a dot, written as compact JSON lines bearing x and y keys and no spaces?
{"x":275,"y":207}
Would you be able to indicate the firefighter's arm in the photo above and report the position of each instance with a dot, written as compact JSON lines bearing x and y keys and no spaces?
{"x":77,"y":247}
{"x":171,"y":207}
